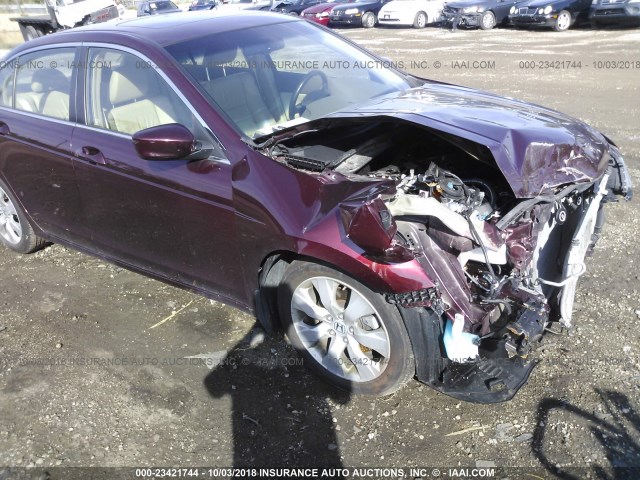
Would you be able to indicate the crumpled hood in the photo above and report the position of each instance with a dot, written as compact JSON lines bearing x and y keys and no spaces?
{"x":536,"y":148}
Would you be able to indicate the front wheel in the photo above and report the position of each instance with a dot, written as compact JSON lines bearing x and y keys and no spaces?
{"x":369,"y":20}
{"x":487,"y":21}
{"x":563,"y":22}
{"x":420,"y":20}
{"x":346,"y":333}
{"x":15,"y":231}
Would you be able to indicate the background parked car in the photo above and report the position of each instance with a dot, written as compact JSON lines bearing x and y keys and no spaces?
{"x":320,"y":13}
{"x":293,"y":7}
{"x":361,"y":13}
{"x":202,"y":5}
{"x":485,"y":14}
{"x":607,"y":12}
{"x":407,"y":13}
{"x":157,"y":7}
{"x":263,"y":5}
{"x":558,"y":14}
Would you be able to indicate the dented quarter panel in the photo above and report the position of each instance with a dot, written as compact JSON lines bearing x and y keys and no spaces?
{"x":312,"y":224}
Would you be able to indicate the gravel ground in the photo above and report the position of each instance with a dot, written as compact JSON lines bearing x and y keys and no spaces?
{"x":135,"y":394}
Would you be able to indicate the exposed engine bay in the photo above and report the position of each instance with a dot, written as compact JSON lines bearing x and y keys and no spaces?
{"x":505,"y":269}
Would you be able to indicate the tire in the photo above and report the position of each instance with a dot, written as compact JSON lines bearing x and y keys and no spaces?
{"x":369,"y":20}
{"x":30,"y":32}
{"x":15,"y":231}
{"x":563,"y":22}
{"x":332,"y":340}
{"x":421,"y":20}
{"x":487,"y":21}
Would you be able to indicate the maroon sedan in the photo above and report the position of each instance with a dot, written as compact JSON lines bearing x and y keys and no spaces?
{"x":391,"y":226}
{"x":320,"y":13}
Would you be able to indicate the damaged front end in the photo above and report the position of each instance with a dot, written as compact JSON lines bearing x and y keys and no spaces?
{"x":504,"y":251}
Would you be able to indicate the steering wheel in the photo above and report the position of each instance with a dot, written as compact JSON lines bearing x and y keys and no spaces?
{"x":294,"y":108}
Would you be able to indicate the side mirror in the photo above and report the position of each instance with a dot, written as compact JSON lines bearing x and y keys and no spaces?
{"x":169,"y":142}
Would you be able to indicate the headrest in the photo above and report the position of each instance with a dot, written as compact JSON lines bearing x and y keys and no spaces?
{"x":221,"y":58}
{"x":48,"y":79}
{"x":121,"y":89}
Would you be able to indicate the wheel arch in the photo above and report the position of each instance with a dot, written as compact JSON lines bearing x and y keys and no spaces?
{"x":18,"y":198}
{"x":274,"y":265}
{"x":270,"y":274}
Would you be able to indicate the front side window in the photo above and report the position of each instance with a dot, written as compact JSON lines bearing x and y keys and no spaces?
{"x":6,"y":85}
{"x":43,"y":82}
{"x":125,"y":94}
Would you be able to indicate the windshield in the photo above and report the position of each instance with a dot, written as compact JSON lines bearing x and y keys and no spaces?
{"x":275,"y":76}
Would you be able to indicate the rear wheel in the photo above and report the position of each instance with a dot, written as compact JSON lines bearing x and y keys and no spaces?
{"x":420,"y":20}
{"x":15,"y":231}
{"x":487,"y":21}
{"x":30,"y":32}
{"x":346,"y":333}
{"x":563,"y":22}
{"x":369,"y":20}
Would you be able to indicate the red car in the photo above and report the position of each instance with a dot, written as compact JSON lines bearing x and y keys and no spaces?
{"x":320,"y":13}
{"x":392,"y":226}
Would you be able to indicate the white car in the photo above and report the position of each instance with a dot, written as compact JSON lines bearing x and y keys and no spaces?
{"x":237,"y":5}
{"x":416,"y":13}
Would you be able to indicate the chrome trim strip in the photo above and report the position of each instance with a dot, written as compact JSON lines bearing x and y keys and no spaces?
{"x":38,"y":116}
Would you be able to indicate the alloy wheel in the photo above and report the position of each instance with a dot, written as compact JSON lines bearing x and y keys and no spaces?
{"x":563,"y":22}
{"x":10,"y":227}
{"x":340,"y":329}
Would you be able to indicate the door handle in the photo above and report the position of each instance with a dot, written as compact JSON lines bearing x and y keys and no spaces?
{"x":92,"y":154}
{"x":4,"y":129}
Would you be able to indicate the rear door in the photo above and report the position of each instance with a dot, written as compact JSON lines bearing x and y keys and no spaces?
{"x":37,"y":116}
{"x":173,"y":218}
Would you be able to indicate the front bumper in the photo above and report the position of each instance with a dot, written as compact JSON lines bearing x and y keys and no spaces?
{"x":468,"y":19}
{"x":538,"y":20}
{"x":612,"y":13}
{"x":354,"y":19}
{"x":311,"y":17}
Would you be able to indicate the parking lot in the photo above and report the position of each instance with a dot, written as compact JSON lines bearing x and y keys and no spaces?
{"x":102,"y":367}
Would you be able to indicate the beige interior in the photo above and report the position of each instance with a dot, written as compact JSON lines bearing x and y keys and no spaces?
{"x":134,"y":110}
{"x":49,"y":94}
{"x":237,"y":94}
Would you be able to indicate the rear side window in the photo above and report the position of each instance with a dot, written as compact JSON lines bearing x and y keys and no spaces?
{"x":43,"y":82}
{"x":6,"y":85}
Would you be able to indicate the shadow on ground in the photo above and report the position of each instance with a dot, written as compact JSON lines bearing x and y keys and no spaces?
{"x":280,"y":414}
{"x":616,"y":431}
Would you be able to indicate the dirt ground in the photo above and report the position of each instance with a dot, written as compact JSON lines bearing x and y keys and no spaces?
{"x":124,"y":393}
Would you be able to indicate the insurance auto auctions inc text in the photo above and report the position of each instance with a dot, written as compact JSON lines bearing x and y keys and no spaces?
{"x":366,"y":473}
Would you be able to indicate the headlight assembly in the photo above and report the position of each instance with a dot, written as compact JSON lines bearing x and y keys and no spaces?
{"x":351,"y":11}
{"x":547,"y":9}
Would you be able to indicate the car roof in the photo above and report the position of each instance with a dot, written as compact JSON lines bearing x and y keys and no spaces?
{"x":165,"y":30}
